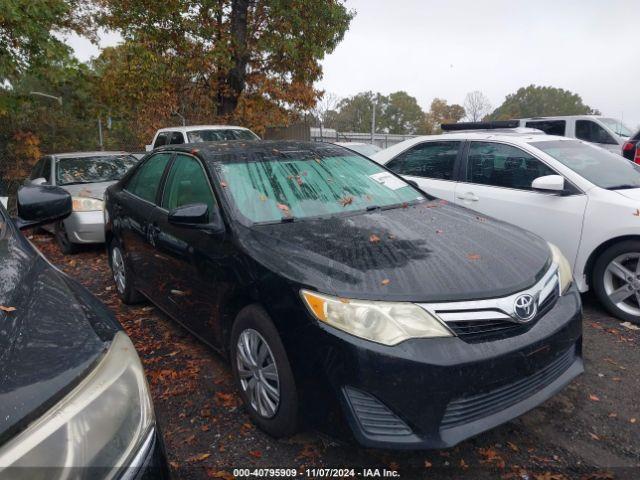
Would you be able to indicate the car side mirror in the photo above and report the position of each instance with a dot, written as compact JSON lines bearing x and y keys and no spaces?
{"x":42,"y":204}
{"x":549,"y":183}
{"x":197,"y":215}
{"x":37,"y":181}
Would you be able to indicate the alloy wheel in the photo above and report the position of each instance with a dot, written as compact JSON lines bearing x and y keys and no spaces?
{"x":622,"y":282}
{"x":117,"y":267}
{"x":258,"y":373}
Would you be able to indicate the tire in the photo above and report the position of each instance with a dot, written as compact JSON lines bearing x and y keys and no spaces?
{"x":608,"y":282}
{"x":279,"y":421}
{"x":66,"y":246}
{"x":122,"y":275}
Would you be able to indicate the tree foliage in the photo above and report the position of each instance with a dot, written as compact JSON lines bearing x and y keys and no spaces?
{"x":252,"y":62}
{"x":439,"y":113}
{"x":534,"y":101}
{"x":27,"y":33}
{"x":397,"y":112}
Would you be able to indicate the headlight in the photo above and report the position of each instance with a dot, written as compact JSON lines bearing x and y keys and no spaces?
{"x":103,"y":422}
{"x":388,"y":323}
{"x":86,"y":204}
{"x":564,"y":268}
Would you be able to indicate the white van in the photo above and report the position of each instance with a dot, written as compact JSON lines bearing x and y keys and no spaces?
{"x":605,"y":132}
{"x":199,"y":133}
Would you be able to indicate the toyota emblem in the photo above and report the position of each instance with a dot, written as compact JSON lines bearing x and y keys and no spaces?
{"x":525,"y":307}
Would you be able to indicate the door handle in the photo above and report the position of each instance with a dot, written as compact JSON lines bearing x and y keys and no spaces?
{"x":468,"y":197}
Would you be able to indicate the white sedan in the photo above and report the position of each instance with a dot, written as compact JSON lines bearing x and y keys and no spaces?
{"x":580,"y":197}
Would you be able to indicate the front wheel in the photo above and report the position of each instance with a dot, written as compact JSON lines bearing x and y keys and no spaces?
{"x":262,"y":373}
{"x":616,"y":280}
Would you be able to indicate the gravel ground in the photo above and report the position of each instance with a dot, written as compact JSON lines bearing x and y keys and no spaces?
{"x":589,"y":431}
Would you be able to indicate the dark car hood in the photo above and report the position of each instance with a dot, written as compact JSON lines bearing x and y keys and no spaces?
{"x":427,"y":252}
{"x":49,"y":342}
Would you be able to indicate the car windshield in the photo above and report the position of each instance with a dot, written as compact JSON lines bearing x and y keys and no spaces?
{"x":93,"y":169}
{"x":617,"y":126}
{"x":601,"y":167}
{"x":281,"y":186}
{"x":218,"y":135}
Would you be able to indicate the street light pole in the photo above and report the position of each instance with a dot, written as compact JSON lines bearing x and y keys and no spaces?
{"x":184,"y":120}
{"x":373,"y":118}
{"x":46,"y":95}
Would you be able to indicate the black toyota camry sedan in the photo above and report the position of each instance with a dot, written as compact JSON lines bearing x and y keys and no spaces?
{"x":335,"y":286}
{"x":74,"y":402}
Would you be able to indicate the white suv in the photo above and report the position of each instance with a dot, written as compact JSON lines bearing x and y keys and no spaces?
{"x":200,"y":133}
{"x":605,"y":132}
{"x":582,"y":198}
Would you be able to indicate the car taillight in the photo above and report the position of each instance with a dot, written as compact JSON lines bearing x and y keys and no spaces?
{"x":636,"y":159}
{"x":628,"y":146}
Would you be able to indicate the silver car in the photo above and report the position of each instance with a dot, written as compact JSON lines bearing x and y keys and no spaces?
{"x":85,"y":175}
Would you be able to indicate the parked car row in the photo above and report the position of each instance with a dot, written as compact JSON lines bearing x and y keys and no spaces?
{"x":333,"y":283}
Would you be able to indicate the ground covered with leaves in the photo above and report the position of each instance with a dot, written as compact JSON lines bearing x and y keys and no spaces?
{"x":589,"y":431}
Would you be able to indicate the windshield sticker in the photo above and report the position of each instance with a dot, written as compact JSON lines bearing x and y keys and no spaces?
{"x":388,"y":180}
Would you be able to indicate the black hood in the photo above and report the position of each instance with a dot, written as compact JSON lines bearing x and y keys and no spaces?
{"x":427,"y":252}
{"x":56,"y":333}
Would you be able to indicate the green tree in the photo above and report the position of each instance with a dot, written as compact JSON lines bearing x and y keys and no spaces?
{"x":534,"y":101}
{"x":400,"y":113}
{"x":439,"y":113}
{"x":254,"y":62}
{"x":27,"y":33}
{"x":354,"y":113}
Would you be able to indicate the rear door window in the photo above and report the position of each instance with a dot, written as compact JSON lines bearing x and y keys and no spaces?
{"x":161,"y":140}
{"x":146,"y":180}
{"x":176,"y":138}
{"x":429,"y":160}
{"x":550,"y":127}
{"x":590,"y":131}
{"x":501,"y":165}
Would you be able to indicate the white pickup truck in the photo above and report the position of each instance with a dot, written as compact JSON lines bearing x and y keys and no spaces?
{"x":200,"y":133}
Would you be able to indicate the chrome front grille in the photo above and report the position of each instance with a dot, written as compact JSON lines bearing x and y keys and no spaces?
{"x":483,"y":320}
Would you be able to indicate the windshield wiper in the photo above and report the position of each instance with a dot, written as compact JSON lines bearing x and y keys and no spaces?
{"x":75,"y":183}
{"x":624,"y":186}
{"x":371,"y":208}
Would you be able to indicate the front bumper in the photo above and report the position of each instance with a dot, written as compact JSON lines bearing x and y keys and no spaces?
{"x":434,"y":393}
{"x":85,"y":227}
{"x":150,"y":461}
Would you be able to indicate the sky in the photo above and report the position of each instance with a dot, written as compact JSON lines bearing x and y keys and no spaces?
{"x":436,"y":48}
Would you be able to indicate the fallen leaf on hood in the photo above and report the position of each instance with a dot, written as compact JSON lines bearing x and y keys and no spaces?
{"x":439,"y":232}
{"x":299,"y":180}
{"x":223,"y":184}
{"x":263,"y":198}
{"x":473,"y":256}
{"x":593,"y":398}
{"x":386,"y":281}
{"x":346,"y":201}
{"x":7,"y":309}
{"x":637,"y":212}
{"x":284,"y":208}
{"x":374,"y":238}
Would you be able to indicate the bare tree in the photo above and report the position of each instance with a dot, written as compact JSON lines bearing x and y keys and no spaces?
{"x":476,"y":105}
{"x":325,"y":108}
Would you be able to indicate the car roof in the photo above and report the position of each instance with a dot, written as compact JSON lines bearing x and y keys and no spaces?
{"x":208,"y":149}
{"x":99,"y":153}
{"x":190,"y":128}
{"x":564,"y":117}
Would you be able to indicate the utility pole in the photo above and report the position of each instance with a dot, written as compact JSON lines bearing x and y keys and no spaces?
{"x":373,"y":118}
{"x":184,"y":120}
{"x":100,"y":132}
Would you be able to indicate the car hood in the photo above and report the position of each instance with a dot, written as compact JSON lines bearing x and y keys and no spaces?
{"x":427,"y":252}
{"x":47,"y":344}
{"x":93,"y":190}
{"x":632,"y":193}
